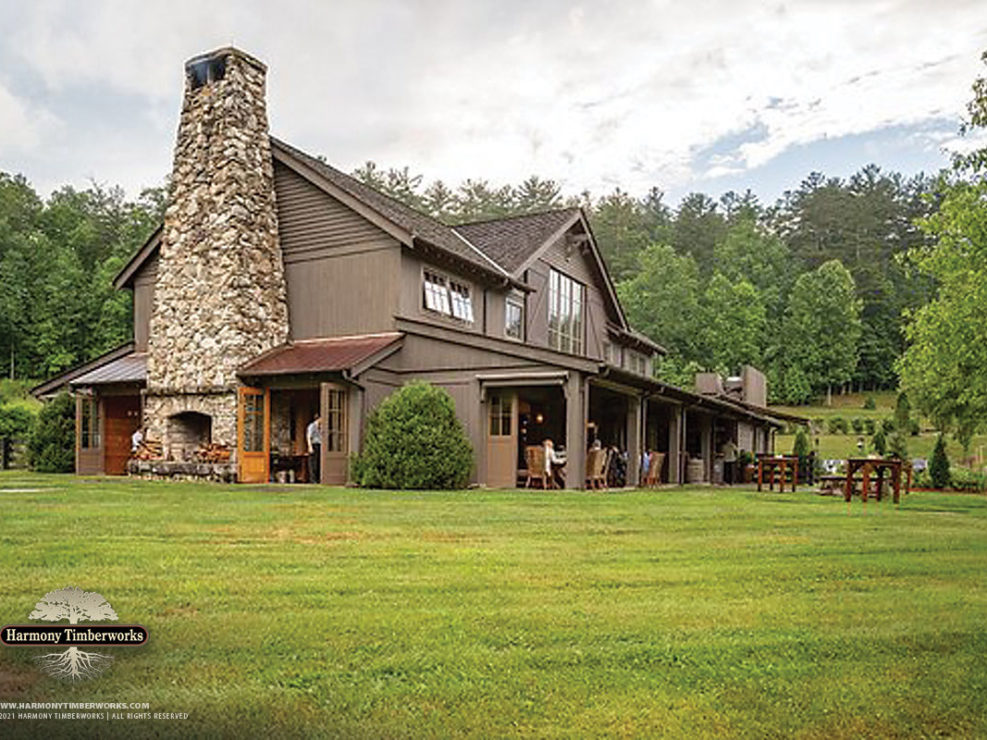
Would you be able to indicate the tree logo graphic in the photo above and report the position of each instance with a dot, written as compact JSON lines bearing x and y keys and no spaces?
{"x":74,"y":605}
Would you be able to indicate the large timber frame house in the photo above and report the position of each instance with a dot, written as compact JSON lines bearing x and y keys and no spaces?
{"x":278,"y":287}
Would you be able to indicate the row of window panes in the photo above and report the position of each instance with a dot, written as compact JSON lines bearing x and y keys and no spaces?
{"x":253,"y":422}
{"x":447,"y":297}
{"x":565,"y":313}
{"x":89,"y":424}
{"x":500,"y":416}
{"x":336,"y":421}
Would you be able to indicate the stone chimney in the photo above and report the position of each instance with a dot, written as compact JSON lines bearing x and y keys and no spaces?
{"x":219,"y":297}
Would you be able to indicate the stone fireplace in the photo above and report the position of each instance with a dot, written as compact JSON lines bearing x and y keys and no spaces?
{"x":185,"y":435}
{"x":219,"y":293}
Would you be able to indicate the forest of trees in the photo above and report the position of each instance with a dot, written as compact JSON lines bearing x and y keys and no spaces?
{"x":811,"y":288}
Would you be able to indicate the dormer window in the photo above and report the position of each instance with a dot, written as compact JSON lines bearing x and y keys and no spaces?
{"x":447,"y":297}
{"x":514,"y":317}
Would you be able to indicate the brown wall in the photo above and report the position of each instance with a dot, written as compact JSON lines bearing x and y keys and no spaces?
{"x":579,"y":266}
{"x":342,"y":271}
{"x":144,"y":301}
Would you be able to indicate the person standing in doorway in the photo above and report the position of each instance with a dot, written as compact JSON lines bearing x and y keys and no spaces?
{"x":313,"y":436}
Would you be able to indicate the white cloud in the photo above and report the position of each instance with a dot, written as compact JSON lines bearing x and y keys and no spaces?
{"x":24,"y":125}
{"x":592,"y":94}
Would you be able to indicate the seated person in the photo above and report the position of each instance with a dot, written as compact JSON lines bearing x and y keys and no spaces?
{"x":554,"y":464}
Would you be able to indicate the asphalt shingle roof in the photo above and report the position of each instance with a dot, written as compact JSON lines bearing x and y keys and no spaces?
{"x":418,"y":224}
{"x":510,"y":241}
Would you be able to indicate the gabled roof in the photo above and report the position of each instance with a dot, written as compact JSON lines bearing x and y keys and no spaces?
{"x":351,"y":353}
{"x":126,"y":276}
{"x":419,"y":226}
{"x":510,"y":241}
{"x":54,"y":385}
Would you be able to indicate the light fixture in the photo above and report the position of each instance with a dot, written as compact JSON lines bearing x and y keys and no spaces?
{"x":539,"y":418}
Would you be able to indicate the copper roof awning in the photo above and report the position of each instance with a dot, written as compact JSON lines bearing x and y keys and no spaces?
{"x":352,"y":353}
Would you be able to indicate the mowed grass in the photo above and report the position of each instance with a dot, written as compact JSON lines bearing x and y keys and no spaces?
{"x":307,"y":612}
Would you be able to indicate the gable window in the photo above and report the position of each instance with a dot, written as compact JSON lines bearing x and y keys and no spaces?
{"x":565,"y":313}
{"x":447,"y":297}
{"x":514,"y":317}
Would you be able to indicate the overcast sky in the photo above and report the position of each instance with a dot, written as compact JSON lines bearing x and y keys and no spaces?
{"x":684,"y":96}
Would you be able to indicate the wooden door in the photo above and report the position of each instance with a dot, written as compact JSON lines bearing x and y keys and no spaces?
{"x":335,"y":434}
{"x":502,"y":449}
{"x":253,"y":451}
{"x":122,"y":417}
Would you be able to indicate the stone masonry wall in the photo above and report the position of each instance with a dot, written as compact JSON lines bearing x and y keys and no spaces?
{"x":219,"y":297}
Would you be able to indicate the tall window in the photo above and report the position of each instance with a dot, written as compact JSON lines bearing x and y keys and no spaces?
{"x":336,"y":421}
{"x":253,"y":422}
{"x":89,"y":423}
{"x":514,"y":317}
{"x":565,"y":313}
{"x":447,"y":297}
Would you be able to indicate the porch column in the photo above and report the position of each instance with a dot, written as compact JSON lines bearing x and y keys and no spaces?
{"x":706,"y":446}
{"x":675,"y":421}
{"x":635,"y":427}
{"x":354,"y":425}
{"x":575,"y":430}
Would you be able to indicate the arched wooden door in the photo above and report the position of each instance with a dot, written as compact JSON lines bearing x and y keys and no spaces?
{"x":253,"y":452}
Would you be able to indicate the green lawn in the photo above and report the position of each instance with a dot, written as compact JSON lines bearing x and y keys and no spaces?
{"x":300,"y":612}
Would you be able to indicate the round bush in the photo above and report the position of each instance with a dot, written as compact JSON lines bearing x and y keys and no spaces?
{"x":51,"y":447}
{"x":415,"y":441}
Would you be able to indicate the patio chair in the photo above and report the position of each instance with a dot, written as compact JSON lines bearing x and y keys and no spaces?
{"x":655,"y":461}
{"x":595,"y":466}
{"x":534,"y":456}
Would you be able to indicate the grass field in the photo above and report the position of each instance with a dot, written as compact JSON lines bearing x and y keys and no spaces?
{"x":307,"y":612}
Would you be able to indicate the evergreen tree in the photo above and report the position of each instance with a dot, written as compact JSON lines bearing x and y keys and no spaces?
{"x":939,"y":464}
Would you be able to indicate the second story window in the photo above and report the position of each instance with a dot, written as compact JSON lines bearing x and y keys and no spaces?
{"x":514,"y":317}
{"x":565,"y":313}
{"x":447,"y":297}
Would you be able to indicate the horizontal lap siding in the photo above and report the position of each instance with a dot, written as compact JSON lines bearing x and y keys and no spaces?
{"x":144,"y":301}
{"x":341,"y":270}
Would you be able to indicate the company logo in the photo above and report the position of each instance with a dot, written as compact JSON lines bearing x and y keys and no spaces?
{"x":74,"y":605}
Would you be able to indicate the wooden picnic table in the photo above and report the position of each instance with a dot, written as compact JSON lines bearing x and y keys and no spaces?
{"x":777,"y":465}
{"x":877,"y":465}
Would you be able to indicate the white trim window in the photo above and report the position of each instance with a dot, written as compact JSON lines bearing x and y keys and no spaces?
{"x":447,"y":297}
{"x":565,"y":313}
{"x":462,"y":304}
{"x":514,"y":317}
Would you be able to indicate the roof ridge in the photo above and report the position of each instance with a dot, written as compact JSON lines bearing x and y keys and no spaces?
{"x":517,"y":217}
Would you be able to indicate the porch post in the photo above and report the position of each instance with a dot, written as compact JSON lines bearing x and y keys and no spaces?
{"x":575,"y":430}
{"x":634,"y":429}
{"x":706,"y":448}
{"x":674,"y":448}
{"x":354,"y":426}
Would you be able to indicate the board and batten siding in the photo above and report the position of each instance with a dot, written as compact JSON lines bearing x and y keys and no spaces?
{"x":578,"y":266}
{"x":412,"y":302}
{"x":144,"y":301}
{"x":341,"y":270}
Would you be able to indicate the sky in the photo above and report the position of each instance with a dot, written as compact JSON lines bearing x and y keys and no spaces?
{"x":682,"y":96}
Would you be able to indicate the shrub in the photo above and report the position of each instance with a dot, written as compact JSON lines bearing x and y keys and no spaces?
{"x":887,"y":425}
{"x":837,"y":425}
{"x":939,"y":465}
{"x":880,"y":443}
{"x":414,"y":440}
{"x":801,"y":448}
{"x":869,"y":426}
{"x":902,"y":412}
{"x":869,"y":403}
{"x":858,"y":424}
{"x":15,"y":422}
{"x":913,"y":427}
{"x":898,"y":445}
{"x":51,"y":446}
{"x":967,"y":480}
